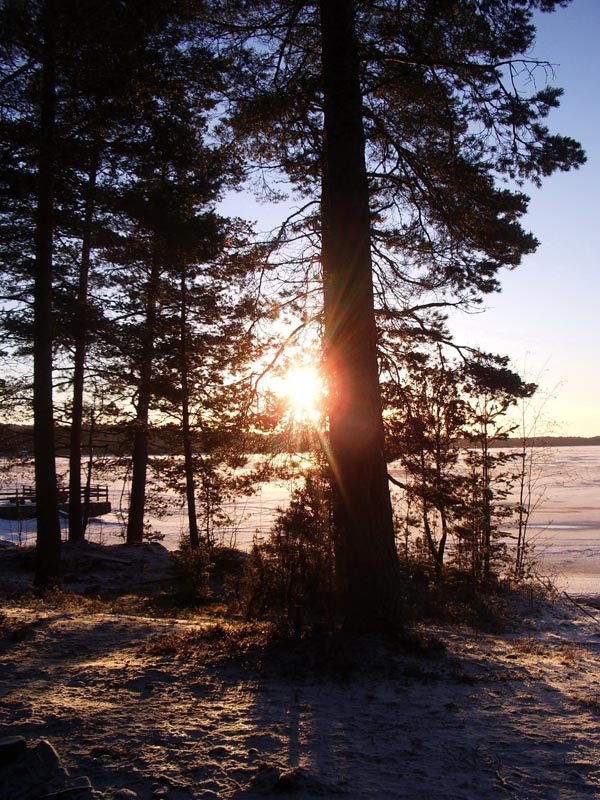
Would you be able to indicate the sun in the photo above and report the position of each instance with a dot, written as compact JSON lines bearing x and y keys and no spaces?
{"x":303,"y":390}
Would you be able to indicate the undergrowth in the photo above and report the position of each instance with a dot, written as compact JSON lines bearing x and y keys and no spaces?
{"x":11,"y":630}
{"x":216,"y":641}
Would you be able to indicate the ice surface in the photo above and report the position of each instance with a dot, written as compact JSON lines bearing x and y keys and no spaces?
{"x":564,"y":527}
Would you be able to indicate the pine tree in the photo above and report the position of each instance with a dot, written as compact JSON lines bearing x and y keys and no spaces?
{"x":105,"y":70}
{"x":172,"y":260}
{"x":428,"y":103}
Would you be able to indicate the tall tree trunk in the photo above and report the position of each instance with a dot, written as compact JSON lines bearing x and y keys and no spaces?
{"x":76,"y":521}
{"x":90,"y":470}
{"x":523,"y":510}
{"x":366,"y":557}
{"x":487,"y":509}
{"x":47,"y":571}
{"x":137,"y":500}
{"x":190,"y":483}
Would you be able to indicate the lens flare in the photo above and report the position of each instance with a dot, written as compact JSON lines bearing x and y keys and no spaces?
{"x":303,"y":389}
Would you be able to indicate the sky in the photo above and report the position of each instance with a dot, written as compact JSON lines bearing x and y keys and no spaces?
{"x":547,"y":316}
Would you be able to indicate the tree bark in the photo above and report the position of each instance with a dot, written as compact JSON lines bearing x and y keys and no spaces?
{"x":366,"y":558}
{"x":47,"y":570}
{"x":137,"y":500}
{"x":190,"y":483}
{"x":76,"y":511}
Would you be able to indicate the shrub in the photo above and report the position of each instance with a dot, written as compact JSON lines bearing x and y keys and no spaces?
{"x":291,"y":574}
{"x":193,"y":566}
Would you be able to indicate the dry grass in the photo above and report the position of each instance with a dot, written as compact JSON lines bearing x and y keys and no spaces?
{"x":215,"y":641}
{"x":10,"y":629}
{"x":565,"y":653}
{"x":568,"y":654}
{"x":589,"y":701}
{"x":528,"y":646}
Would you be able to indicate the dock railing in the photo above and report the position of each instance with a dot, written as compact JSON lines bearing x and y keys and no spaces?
{"x":25,"y":493}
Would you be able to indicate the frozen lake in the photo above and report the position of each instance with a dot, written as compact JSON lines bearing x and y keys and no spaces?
{"x":564,"y":526}
{"x":251,"y":516}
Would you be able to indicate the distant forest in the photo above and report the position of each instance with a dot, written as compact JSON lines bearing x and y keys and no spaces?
{"x":17,"y":441}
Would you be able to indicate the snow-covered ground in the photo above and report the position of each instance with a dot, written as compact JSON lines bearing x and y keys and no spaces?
{"x":564,"y":528}
{"x":145,"y":707}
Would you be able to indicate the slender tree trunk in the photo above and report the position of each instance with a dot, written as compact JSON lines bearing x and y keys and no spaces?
{"x":190,"y":483}
{"x":90,"y":471}
{"x":523,"y":511}
{"x":47,"y":572}
{"x":443,"y":540}
{"x":433,"y":551}
{"x":439,"y":491}
{"x":487,"y":510}
{"x":425,"y":509}
{"x":76,"y":521}
{"x":137,"y":500}
{"x":366,"y":557}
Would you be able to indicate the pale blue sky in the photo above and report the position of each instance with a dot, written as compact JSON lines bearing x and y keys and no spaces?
{"x":548,"y":314}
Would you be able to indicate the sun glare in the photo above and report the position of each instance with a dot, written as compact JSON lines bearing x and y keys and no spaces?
{"x":303,"y":389}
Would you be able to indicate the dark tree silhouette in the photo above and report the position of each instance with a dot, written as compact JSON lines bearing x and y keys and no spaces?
{"x":47,"y":572}
{"x":367,"y":560}
{"x":399,"y":117}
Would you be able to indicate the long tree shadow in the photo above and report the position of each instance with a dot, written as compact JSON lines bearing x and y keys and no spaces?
{"x":462,"y":726}
{"x":362,"y":717}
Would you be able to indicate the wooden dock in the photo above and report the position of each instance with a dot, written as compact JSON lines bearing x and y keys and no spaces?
{"x":20,"y":502}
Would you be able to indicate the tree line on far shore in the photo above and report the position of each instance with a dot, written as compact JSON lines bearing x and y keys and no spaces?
{"x":17,"y":441}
